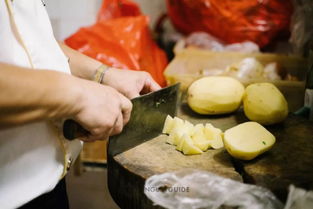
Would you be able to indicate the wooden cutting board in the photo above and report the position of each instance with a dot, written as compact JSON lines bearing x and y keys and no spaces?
{"x":156,"y":157}
{"x":290,"y":161}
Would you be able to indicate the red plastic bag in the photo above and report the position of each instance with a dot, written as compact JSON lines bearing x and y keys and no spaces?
{"x":232,"y":20}
{"x":121,"y":38}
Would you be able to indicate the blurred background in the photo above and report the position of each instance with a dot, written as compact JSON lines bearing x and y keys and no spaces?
{"x":68,"y":16}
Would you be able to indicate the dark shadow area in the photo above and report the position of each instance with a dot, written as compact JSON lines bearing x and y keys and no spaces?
{"x":185,"y":109}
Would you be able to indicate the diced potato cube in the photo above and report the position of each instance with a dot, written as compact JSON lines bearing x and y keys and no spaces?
{"x":215,"y":136}
{"x":170,"y":139}
{"x":217,"y":143}
{"x":199,"y":134}
{"x":175,"y":136}
{"x":199,"y":127}
{"x":178,"y":129}
{"x":202,"y":144}
{"x":211,"y":132}
{"x":188,"y":147}
{"x":180,"y":145}
{"x":177,"y":123}
{"x":200,"y":139}
{"x":189,"y":127}
{"x":168,"y":125}
{"x":195,"y":138}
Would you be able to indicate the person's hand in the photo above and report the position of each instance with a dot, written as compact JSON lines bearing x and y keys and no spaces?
{"x":102,"y":110}
{"x":130,"y":83}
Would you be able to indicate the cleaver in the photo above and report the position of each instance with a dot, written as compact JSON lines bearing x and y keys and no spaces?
{"x":146,"y":122}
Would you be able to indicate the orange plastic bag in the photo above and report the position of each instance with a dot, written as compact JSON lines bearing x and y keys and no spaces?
{"x":232,"y":21}
{"x":121,"y":38}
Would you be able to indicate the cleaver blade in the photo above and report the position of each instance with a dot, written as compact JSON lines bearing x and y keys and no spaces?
{"x":147,"y":119}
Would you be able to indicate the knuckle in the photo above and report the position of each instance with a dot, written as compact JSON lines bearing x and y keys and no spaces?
{"x":129,"y":105}
{"x":96,"y":131}
{"x":119,"y":129}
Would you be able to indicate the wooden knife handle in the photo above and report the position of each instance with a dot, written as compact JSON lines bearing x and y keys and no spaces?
{"x":72,"y":130}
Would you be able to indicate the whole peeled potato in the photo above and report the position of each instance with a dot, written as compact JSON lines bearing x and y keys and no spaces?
{"x":215,"y":95}
{"x":265,"y":104}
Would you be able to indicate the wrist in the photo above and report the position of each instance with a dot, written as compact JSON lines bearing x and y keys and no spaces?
{"x":71,"y":95}
{"x":100,"y":73}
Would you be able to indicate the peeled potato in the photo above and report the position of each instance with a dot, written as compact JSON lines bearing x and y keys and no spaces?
{"x":199,"y":138}
{"x":203,"y":145}
{"x":265,"y":104}
{"x":170,"y":139}
{"x":198,"y":128}
{"x":198,"y":134}
{"x":214,"y":135}
{"x":181,"y":142}
{"x":178,"y":129}
{"x":215,"y":95}
{"x":168,"y":125}
{"x":188,"y":146}
{"x":175,"y":128}
{"x":217,"y":143}
{"x":248,"y":140}
{"x":189,"y":127}
{"x":191,"y":139}
{"x":174,"y":137}
{"x":177,"y":123}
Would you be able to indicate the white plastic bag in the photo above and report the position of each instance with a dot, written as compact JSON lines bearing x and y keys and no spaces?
{"x":299,"y":199}
{"x":205,"y":40}
{"x":191,"y":189}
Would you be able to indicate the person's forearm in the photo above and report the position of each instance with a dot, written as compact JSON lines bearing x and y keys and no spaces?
{"x":28,"y":95}
{"x":81,"y":65}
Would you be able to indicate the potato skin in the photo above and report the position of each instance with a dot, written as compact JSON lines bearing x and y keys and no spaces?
{"x":214,"y":95}
{"x":265,"y":104}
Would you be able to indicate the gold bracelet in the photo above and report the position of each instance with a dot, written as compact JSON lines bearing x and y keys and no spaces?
{"x":100,"y":73}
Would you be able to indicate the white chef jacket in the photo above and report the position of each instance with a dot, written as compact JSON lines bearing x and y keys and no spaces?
{"x":33,"y":157}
